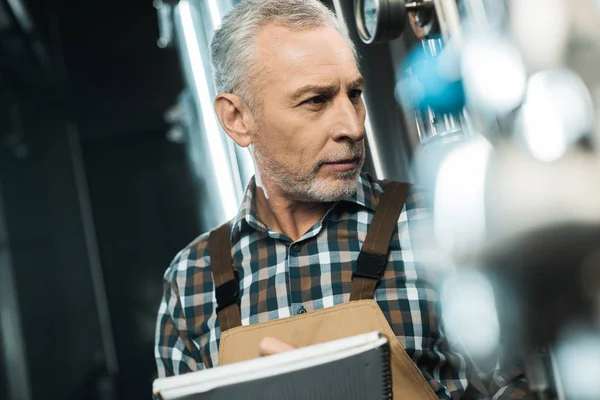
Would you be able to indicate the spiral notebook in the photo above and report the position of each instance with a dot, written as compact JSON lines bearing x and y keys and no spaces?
{"x":353,"y":368}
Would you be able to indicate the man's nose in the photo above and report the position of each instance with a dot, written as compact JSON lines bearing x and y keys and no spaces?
{"x":349,"y":121}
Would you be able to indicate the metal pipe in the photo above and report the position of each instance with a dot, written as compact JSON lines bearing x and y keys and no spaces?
{"x":415,"y":5}
{"x":449,"y":20}
{"x":212,"y":12}
{"x":13,"y":346}
{"x":21,"y":15}
{"x":91,"y":243}
{"x":192,"y":32}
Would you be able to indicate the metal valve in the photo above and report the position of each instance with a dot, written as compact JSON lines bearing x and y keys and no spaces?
{"x":383,"y":20}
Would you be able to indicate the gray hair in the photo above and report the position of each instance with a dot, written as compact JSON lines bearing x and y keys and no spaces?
{"x":232,"y":48}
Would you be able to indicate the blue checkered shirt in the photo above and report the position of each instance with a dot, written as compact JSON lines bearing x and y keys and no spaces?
{"x":280,"y":278}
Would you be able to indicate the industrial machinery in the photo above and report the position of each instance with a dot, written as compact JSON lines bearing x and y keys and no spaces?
{"x":501,"y":98}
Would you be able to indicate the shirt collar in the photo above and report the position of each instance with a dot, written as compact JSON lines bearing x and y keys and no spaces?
{"x":368,"y":191}
{"x":247,"y":211}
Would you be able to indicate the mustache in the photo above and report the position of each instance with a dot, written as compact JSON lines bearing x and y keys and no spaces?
{"x":353,"y":152}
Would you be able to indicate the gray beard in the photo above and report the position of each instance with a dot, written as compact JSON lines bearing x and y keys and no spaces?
{"x":307,"y":187}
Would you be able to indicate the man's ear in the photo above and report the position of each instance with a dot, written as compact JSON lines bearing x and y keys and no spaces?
{"x":235,"y":118}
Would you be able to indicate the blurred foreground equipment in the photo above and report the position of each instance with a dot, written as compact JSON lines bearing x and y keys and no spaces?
{"x":504,"y":97}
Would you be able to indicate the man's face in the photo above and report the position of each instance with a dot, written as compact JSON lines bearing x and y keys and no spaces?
{"x":309,"y":139}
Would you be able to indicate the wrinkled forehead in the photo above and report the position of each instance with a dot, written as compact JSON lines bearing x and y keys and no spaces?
{"x":293,"y":57}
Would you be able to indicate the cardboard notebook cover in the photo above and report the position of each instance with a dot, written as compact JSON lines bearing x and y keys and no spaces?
{"x":353,"y":368}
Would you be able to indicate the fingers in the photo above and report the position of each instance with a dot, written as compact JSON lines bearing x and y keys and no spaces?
{"x":269,"y":346}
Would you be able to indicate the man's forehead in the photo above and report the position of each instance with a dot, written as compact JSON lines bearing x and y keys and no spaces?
{"x":315,"y":54}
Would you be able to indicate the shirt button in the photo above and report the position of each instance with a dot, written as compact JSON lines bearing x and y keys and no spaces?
{"x":296,"y":248}
{"x":302,"y":310}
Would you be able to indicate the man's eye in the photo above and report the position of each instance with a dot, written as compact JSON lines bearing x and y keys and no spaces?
{"x":317,"y":100}
{"x":355,"y":94}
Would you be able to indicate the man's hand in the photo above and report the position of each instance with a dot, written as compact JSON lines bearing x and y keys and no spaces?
{"x":269,"y":346}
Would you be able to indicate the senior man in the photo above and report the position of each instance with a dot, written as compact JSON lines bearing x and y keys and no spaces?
{"x":314,"y":240}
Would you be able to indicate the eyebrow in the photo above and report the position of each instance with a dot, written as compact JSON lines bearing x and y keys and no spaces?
{"x":328,"y":89}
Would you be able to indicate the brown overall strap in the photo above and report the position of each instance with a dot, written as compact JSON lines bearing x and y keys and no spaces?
{"x":373,"y":255}
{"x":225,"y":278}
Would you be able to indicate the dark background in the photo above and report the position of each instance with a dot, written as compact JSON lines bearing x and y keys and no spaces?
{"x":101,"y":79}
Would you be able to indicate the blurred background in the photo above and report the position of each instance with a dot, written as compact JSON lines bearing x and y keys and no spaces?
{"x":95,"y":200}
{"x":111,"y":161}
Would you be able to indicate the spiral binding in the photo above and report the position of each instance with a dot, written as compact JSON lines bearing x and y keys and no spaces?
{"x":387,"y":371}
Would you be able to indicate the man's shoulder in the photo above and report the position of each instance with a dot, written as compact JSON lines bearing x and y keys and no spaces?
{"x":192,"y":259}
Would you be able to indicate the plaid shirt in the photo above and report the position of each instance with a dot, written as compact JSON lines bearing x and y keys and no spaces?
{"x":280,"y":278}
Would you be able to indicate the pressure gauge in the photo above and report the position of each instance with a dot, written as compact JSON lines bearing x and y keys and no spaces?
{"x":370,"y":13}
{"x":379,"y":20}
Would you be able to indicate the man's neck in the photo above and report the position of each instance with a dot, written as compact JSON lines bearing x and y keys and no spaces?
{"x":289,"y":217}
